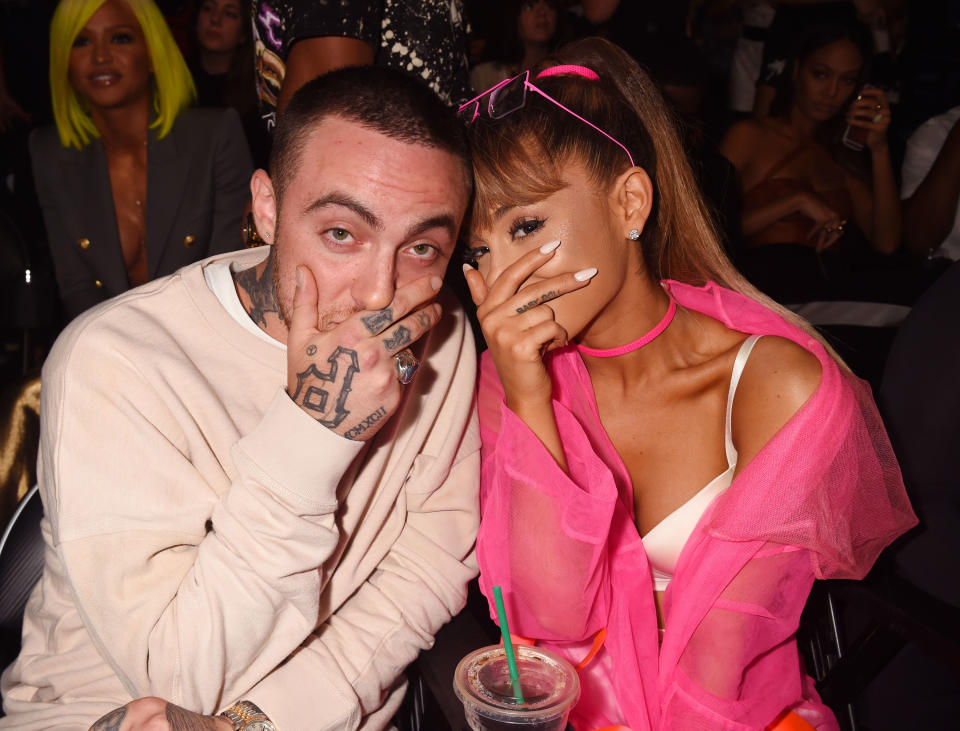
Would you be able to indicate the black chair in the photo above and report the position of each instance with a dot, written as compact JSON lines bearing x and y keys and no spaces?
{"x":21,"y":564}
{"x":883,"y":614}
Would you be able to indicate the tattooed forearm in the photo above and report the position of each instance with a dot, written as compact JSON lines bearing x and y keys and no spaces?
{"x":180,"y":719}
{"x":356,"y":431}
{"x":328,"y":404}
{"x":260,"y":290}
{"x":112,"y":721}
{"x":551,"y":295}
{"x":401,"y":336}
{"x":378,"y":321}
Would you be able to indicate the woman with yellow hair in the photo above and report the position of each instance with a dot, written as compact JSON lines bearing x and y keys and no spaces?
{"x":120,"y":90}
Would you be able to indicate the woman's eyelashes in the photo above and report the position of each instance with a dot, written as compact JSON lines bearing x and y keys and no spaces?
{"x":524,"y":226}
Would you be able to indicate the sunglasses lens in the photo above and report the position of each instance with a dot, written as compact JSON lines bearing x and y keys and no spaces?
{"x":508,"y":98}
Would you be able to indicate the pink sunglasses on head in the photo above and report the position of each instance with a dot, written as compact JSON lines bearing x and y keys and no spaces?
{"x":511,"y":94}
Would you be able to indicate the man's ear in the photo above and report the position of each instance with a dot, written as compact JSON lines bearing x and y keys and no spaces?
{"x":264,"y":205}
{"x":633,"y":193}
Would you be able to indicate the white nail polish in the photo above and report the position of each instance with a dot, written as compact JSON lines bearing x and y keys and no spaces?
{"x":547,"y":248}
{"x":436,"y":283}
{"x":584,"y":274}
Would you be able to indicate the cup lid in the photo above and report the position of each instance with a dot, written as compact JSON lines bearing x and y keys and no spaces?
{"x":549,"y":683}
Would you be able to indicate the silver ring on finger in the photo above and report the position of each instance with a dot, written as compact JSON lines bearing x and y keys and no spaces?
{"x":407,"y":365}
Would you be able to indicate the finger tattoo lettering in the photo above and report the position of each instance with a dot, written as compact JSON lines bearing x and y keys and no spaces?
{"x":378,"y":321}
{"x":424,"y":319}
{"x":363,"y":426}
{"x":552,"y":294}
{"x":401,"y":337}
{"x":328,"y":404}
{"x":112,"y":721}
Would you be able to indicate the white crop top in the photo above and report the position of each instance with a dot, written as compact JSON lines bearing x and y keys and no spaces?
{"x":664,"y":542}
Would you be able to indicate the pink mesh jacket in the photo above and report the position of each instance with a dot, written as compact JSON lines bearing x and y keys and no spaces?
{"x":820,"y":500}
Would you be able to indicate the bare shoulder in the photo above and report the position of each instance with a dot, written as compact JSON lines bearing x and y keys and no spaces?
{"x":778,"y":379}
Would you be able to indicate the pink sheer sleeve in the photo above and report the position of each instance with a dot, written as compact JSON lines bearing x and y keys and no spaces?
{"x":544,"y":534}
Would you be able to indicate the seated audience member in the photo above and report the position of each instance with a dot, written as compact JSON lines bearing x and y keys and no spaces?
{"x":133,"y":185}
{"x":222,"y":67}
{"x":806,"y":207}
{"x":297,"y":40}
{"x":251,"y":502}
{"x":931,"y":187}
{"x":667,"y":454}
{"x":528,"y":32}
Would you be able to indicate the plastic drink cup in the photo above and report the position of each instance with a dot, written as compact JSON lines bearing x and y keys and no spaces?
{"x":549,"y":684}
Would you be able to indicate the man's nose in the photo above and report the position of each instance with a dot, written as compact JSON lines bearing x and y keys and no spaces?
{"x":376,"y":284}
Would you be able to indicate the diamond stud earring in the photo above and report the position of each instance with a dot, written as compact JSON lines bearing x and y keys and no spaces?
{"x":634,"y":234}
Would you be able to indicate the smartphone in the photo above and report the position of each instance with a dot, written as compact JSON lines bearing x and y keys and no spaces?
{"x":856,"y":137}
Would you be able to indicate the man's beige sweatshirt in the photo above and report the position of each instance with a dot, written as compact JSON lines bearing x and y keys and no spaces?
{"x":207,"y":541}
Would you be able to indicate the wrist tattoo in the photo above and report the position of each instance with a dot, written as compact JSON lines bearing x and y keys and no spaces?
{"x":401,"y":336}
{"x":260,"y":290}
{"x":111,"y":721}
{"x":355,"y":431}
{"x":378,"y":321}
{"x":180,"y":719}
{"x":328,"y":404}
{"x":538,"y":301}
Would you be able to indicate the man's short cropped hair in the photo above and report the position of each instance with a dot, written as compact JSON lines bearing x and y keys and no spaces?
{"x":385,"y":100}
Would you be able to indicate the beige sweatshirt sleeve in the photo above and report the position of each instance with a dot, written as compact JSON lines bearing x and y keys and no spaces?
{"x":195,"y":572}
{"x":345,"y":670}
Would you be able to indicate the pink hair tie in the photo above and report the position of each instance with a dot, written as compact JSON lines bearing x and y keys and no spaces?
{"x":570,"y":69}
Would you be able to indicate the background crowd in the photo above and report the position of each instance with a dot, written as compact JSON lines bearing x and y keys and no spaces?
{"x":824,"y":135}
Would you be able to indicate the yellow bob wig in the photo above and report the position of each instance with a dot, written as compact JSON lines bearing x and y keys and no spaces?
{"x":173,"y":85}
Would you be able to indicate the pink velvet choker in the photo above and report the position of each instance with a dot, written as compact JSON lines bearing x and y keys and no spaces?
{"x":639,"y":342}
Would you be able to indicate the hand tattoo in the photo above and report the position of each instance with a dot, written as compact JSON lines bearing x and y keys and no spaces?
{"x":180,"y":719}
{"x":311,"y":350}
{"x":378,"y":321}
{"x":355,"y":431}
{"x":400,"y":337}
{"x":260,"y":290}
{"x":538,"y":301}
{"x":111,"y":721}
{"x":343,"y":367}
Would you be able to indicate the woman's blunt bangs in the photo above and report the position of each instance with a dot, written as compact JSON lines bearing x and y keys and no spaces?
{"x":173,"y":85}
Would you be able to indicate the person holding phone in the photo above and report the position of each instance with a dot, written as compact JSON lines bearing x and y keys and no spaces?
{"x":663,"y":447}
{"x":803,"y":191}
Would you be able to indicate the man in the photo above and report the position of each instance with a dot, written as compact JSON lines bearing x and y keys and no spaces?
{"x":244,"y":501}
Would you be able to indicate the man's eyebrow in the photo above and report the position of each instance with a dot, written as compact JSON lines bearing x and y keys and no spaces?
{"x":347,"y":201}
{"x":443,"y":220}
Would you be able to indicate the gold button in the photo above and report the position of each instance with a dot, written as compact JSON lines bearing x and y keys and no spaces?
{"x":189,"y":240}
{"x":98,"y":283}
{"x":83,"y":243}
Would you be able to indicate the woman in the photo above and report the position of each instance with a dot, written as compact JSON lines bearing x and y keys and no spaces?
{"x":624,"y":488}
{"x":222,"y":67}
{"x":802,"y":189}
{"x":528,"y":32}
{"x":133,"y":185}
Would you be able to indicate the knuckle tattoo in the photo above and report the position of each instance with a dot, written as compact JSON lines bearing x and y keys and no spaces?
{"x":378,"y":321}
{"x":400,"y":337}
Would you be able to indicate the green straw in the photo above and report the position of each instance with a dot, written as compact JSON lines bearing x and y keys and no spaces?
{"x":508,"y":644}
